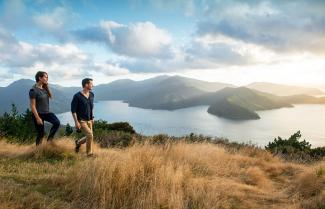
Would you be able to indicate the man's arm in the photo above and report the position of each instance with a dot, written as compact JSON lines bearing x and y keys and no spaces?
{"x":74,"y":104}
{"x":92,"y":109}
{"x":76,"y":122}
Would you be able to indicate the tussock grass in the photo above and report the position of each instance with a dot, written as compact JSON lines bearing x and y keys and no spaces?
{"x":171,"y":175}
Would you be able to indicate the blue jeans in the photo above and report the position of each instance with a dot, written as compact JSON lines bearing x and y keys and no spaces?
{"x":51,"y":118}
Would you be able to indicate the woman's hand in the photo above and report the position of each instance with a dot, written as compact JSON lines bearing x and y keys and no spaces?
{"x":39,"y":121}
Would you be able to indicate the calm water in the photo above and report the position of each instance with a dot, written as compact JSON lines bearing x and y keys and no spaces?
{"x":280,"y":122}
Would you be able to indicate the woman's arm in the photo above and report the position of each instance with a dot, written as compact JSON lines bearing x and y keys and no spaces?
{"x":33,"y":107}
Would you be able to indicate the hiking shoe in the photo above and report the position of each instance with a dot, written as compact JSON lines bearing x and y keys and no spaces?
{"x":76,"y":149}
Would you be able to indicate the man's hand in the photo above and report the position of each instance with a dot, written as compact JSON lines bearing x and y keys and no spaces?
{"x":77,"y":124}
{"x":39,"y":121}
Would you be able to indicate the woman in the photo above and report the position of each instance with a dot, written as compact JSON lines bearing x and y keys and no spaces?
{"x":39,"y":96}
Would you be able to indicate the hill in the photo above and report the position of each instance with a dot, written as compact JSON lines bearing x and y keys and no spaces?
{"x":241,"y":103}
{"x":303,"y":99}
{"x":170,"y":93}
{"x":17,"y":93}
{"x":284,"y":90}
{"x":179,"y":175}
{"x":232,"y":103}
{"x":168,"y":88}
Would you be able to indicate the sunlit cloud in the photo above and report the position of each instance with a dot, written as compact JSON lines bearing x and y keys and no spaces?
{"x":142,"y":39}
{"x":232,"y":41}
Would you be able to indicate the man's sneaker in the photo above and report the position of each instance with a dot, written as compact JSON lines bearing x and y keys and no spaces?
{"x":76,"y":149}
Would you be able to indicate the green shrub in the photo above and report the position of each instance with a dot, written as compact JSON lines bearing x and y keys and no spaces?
{"x":122,"y":126}
{"x":118,"y":134}
{"x":68,"y":130}
{"x":17,"y":127}
{"x":318,"y":152}
{"x":194,"y":138}
{"x":293,"y":149}
{"x":118,"y":126}
{"x":292,"y":144}
{"x":107,"y":138}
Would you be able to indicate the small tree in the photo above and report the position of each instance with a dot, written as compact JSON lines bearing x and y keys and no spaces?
{"x":17,"y":128}
{"x":118,"y":126}
{"x":287,"y":146}
{"x":68,"y":130}
{"x":293,"y":149}
{"x":27,"y":126}
{"x":121,"y":126}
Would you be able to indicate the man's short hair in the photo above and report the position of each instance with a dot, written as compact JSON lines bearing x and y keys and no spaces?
{"x":85,"y":81}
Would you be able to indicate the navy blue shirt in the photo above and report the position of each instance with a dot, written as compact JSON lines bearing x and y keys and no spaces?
{"x":83,"y":106}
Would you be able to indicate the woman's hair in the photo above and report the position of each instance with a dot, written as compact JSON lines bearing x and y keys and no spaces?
{"x":45,"y":86}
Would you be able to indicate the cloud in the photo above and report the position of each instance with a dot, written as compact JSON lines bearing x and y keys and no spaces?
{"x":55,"y":22}
{"x":62,"y":61}
{"x":282,"y":26}
{"x":203,"y":55}
{"x":146,"y":65}
{"x":140,"y":40}
{"x":206,"y":52}
{"x":52,"y":19}
{"x":110,"y":69}
{"x":145,"y":48}
{"x":227,"y":33}
{"x":14,"y":53}
{"x":4,"y":74}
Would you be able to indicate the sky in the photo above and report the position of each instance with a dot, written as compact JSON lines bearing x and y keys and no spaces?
{"x":233,"y":41}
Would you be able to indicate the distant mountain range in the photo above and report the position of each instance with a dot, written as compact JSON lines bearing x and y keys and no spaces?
{"x":175,"y":92}
{"x":284,"y":90}
{"x":17,"y":93}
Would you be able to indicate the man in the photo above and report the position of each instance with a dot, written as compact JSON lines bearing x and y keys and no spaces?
{"x":82,"y":112}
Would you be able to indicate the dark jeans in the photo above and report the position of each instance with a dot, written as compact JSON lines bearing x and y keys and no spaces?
{"x":51,"y":118}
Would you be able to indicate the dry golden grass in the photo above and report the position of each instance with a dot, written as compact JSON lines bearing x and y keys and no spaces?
{"x":172,"y":176}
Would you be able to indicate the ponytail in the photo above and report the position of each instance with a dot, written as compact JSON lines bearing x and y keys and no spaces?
{"x":47,"y":89}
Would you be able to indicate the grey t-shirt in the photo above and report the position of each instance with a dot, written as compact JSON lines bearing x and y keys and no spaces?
{"x":42,"y":99}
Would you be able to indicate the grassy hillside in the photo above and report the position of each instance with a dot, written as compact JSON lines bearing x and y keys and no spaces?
{"x":173,"y":176}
